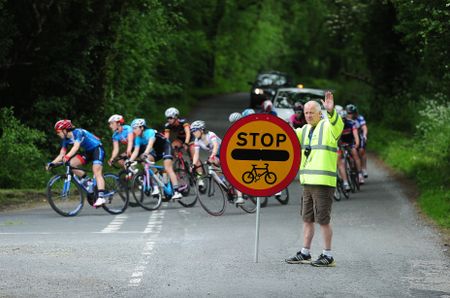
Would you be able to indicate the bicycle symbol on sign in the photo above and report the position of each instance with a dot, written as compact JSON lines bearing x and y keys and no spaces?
{"x":252,"y":176}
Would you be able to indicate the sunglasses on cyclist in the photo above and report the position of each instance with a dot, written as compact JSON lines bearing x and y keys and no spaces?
{"x":170,"y":118}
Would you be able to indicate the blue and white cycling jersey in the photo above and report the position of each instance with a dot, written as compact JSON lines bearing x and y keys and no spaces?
{"x":86,"y":139}
{"x":360,"y":121}
{"x":122,"y":137}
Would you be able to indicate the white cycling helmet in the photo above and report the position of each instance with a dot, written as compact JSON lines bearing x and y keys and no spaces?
{"x":116,"y":118}
{"x":138,"y":122}
{"x":172,"y":112}
{"x":234,"y":117}
{"x":340,"y":110}
{"x":197,"y":125}
{"x":247,"y":112}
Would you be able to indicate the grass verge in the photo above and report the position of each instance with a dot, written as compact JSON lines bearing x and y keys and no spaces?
{"x":405,"y":154}
{"x":16,"y":198}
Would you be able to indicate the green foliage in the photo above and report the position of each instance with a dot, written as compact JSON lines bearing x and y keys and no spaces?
{"x":418,"y":159}
{"x":22,"y":161}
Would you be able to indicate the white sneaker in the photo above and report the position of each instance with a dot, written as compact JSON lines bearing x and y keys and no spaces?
{"x":99,"y":202}
{"x":365,"y":174}
{"x":155,"y":191}
{"x":201,"y":183}
{"x":239,"y":201}
{"x":177,"y":195}
{"x":346,"y":186}
{"x":361,"y":178}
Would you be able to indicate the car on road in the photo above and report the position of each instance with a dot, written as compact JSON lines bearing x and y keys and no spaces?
{"x":285,"y":98}
{"x":266,"y":85}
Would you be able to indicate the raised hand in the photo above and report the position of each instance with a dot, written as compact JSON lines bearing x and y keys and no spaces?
{"x":329,"y":102}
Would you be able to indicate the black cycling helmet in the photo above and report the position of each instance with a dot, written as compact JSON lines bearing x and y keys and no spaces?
{"x":298,"y":107}
{"x":351,"y":109}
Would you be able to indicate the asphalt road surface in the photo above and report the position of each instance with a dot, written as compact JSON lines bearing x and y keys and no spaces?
{"x":381,"y":246}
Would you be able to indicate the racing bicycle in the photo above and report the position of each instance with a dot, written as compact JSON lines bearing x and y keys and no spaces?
{"x":66,"y":192}
{"x":217,"y":191}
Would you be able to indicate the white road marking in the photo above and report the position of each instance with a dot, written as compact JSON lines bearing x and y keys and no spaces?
{"x":152,"y":229}
{"x":115,"y":224}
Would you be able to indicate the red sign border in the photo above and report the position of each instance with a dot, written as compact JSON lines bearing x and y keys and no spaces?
{"x":295,"y":165}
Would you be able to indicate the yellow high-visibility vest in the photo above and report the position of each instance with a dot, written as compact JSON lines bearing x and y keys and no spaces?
{"x":320,"y":167}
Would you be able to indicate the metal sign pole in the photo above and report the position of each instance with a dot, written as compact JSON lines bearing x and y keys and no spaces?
{"x":258,"y":209}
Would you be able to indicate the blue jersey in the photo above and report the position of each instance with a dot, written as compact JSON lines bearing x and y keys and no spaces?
{"x":347,"y":133}
{"x":86,"y":139}
{"x":122,"y":137}
{"x":147,"y":135}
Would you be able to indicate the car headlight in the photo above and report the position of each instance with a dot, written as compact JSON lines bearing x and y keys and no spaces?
{"x":258,"y":91}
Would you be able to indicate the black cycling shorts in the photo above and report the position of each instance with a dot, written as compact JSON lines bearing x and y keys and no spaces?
{"x":96,"y":155}
{"x":161,"y":149}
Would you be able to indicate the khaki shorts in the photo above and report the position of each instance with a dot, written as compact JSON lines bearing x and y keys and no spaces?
{"x":317,"y":201}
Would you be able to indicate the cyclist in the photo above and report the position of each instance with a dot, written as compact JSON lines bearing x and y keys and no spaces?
{"x":93,"y":151}
{"x":208,"y":141}
{"x":180,"y":127}
{"x":122,"y":134}
{"x":362,"y":130}
{"x":149,"y":143}
{"x":349,"y":137}
{"x":298,"y":118}
{"x":234,"y":117}
{"x":268,"y":108}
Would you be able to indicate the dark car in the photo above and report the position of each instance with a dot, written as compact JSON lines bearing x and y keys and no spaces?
{"x":266,"y":86}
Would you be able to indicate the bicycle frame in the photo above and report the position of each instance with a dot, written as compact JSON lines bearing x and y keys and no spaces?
{"x":69,"y":174}
{"x":148,"y":166}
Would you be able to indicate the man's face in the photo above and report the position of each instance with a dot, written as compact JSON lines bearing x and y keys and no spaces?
{"x":312,"y":114}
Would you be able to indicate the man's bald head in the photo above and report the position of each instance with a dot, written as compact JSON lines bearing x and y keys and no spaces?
{"x":312,"y":112}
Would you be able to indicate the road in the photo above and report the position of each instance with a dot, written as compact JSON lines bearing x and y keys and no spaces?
{"x":381,"y":246}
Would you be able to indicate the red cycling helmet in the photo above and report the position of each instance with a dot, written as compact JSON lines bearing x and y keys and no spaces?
{"x":63,"y":124}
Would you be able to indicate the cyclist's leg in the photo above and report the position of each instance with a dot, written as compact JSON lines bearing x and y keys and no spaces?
{"x":98,"y":156}
{"x":341,"y":167}
{"x":166,"y":154}
{"x":355,"y":156}
{"x":363,"y":156}
{"x":77,"y":161}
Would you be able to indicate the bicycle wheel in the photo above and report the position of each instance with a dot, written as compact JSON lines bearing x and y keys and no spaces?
{"x":127,"y":180}
{"x":248,"y":177}
{"x":355,"y":180}
{"x":264,"y":201}
{"x":142,"y":192}
{"x":338,"y":192}
{"x":64,"y":196}
{"x":283,"y":198}
{"x":249,"y":205}
{"x":189,"y":193}
{"x":349,"y":175}
{"x":270,"y":178}
{"x":214,"y":198}
{"x":118,"y":199}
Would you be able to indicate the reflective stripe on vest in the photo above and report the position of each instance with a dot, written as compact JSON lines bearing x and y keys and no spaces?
{"x":318,"y":172}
